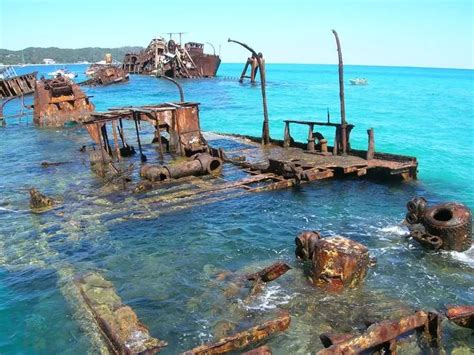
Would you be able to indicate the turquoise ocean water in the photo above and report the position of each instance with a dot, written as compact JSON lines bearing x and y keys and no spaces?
{"x":164,"y":267}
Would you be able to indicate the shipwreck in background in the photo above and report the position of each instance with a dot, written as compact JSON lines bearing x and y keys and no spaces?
{"x":105,"y":72}
{"x":173,"y":60}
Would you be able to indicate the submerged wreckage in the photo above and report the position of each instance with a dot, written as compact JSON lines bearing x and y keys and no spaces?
{"x":58,"y":101}
{"x":13,"y":85}
{"x":179,"y":165}
{"x":173,"y":60}
{"x":106,"y":72}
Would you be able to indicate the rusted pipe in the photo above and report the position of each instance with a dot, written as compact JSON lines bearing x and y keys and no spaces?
{"x":181,"y":93}
{"x":202,"y":164}
{"x":341,"y":95}
{"x":266,"y":128}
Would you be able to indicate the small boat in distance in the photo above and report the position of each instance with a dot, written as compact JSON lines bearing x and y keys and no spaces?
{"x":63,"y":72}
{"x":359,"y":81}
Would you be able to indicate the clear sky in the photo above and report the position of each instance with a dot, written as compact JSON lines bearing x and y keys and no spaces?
{"x":428,"y":33}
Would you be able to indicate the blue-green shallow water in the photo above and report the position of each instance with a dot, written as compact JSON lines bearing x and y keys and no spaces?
{"x":163,"y":268}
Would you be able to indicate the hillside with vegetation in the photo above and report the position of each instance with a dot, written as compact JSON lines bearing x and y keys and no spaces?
{"x":35,"y":55}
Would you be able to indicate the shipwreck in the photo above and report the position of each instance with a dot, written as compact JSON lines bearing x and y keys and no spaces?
{"x":13,"y":85}
{"x":58,"y":101}
{"x":173,"y":60}
{"x":105,"y":73}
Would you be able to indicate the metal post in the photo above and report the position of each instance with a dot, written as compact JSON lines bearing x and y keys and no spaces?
{"x":265,"y":129}
{"x":142,"y":156}
{"x":371,"y":147}
{"x":116,"y":144}
{"x":287,"y":136}
{"x":341,"y":95}
{"x":241,"y":80}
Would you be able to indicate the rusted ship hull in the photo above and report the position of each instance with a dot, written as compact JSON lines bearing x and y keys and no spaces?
{"x":172,"y":60}
{"x":207,"y":65}
{"x":17,"y":85}
{"x":58,"y":101}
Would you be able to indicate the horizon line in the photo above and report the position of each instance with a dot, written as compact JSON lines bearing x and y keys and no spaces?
{"x":284,"y":63}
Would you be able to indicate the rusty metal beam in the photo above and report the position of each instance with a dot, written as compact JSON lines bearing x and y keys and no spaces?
{"x":385,"y":333}
{"x":245,"y":338}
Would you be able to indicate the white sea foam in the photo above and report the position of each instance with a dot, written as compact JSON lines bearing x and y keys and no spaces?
{"x":7,"y":209}
{"x":271,"y":297}
{"x":466,"y":257}
{"x":395,"y":230}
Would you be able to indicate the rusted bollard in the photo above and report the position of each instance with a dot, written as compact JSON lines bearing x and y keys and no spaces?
{"x":337,"y":262}
{"x":445,"y":226}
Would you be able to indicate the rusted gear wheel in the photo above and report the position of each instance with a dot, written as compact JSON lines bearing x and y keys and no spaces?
{"x":452,"y":222}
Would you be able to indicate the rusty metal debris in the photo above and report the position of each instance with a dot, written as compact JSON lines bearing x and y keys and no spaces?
{"x":13,"y":85}
{"x":173,"y":60}
{"x":461,"y":315}
{"x":107,"y":74}
{"x":58,"y":101}
{"x":383,"y":335}
{"x":271,"y":272}
{"x":336,"y":262}
{"x":39,"y":202}
{"x":445,"y":226}
{"x":244,"y":338}
{"x":123,"y":332}
{"x":261,"y":278}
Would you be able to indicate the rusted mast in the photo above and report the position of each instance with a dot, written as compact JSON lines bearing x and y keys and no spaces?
{"x":341,"y":96}
{"x":265,"y":129}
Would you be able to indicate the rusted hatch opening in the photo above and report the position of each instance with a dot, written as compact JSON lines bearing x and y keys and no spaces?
{"x":215,"y":165}
{"x":443,"y":215}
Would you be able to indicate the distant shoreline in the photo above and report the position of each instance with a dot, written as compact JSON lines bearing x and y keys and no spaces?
{"x":268,"y":63}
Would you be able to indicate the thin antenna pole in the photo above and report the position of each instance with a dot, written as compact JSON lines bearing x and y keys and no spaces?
{"x":341,"y":95}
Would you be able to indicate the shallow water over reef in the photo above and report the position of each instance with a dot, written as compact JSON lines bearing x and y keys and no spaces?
{"x":165,"y":267}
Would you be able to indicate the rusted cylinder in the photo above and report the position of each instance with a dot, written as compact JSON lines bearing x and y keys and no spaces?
{"x":202,"y":164}
{"x":452,"y":222}
{"x":108,"y":58}
{"x":339,"y":262}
